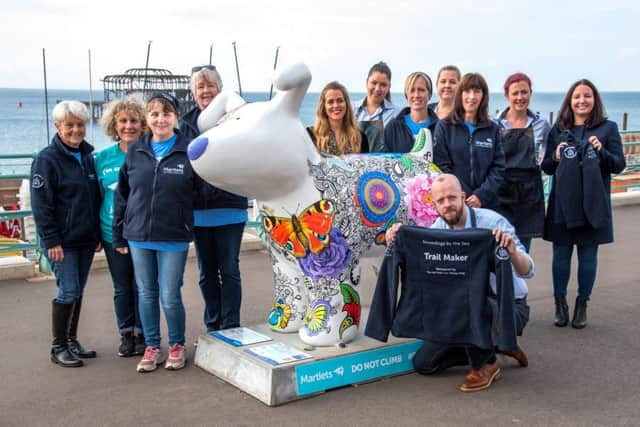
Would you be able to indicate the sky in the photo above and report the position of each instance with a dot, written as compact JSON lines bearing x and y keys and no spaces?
{"x":555,"y":42}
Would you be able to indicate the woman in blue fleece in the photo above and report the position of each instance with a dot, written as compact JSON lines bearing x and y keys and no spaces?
{"x":581,"y":122}
{"x":468,"y":144}
{"x":153,"y":220}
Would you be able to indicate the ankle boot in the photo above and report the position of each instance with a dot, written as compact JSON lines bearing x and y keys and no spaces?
{"x":562,"y":312}
{"x":72,"y":340}
{"x":579,"y":314}
{"x":60,"y":354}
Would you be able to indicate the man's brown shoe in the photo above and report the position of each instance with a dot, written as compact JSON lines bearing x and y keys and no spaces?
{"x":519,"y":355}
{"x":479,"y":379}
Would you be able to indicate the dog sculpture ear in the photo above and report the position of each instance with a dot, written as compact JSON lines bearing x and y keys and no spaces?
{"x":292,"y":82}
{"x":225,"y":102}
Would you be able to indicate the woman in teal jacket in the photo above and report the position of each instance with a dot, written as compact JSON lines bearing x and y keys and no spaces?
{"x":123,"y":121}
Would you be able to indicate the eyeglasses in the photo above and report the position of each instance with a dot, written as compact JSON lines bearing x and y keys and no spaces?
{"x":203,"y":67}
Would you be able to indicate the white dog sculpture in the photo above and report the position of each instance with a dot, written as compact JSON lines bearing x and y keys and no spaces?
{"x":320,"y":213}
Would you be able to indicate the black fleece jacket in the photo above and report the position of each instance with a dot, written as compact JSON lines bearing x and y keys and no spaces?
{"x":397,"y":135}
{"x":65,"y":196}
{"x":154,"y":199}
{"x":476,"y":159}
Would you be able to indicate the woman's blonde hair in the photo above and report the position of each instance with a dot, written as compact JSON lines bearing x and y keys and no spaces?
{"x":350,"y":136}
{"x":411,"y":79}
{"x":131,"y":105}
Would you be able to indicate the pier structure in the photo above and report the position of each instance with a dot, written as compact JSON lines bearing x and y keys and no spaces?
{"x":145,"y":81}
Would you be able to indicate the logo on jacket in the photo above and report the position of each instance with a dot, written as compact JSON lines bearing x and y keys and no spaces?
{"x":485,"y":144}
{"x":178,"y":170}
{"x":502,"y":253}
{"x":570,"y":152}
{"x":37,"y":181}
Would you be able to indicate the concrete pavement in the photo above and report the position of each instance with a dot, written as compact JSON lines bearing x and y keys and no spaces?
{"x":576,"y":377}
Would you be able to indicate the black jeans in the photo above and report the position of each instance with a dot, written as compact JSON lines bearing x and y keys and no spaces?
{"x":125,"y":295}
{"x":218,"y":250}
{"x":435,"y":357}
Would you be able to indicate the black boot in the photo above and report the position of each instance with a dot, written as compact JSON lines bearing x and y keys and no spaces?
{"x":562,"y":312}
{"x":579,"y":314}
{"x":60,"y":354}
{"x":74,"y":346}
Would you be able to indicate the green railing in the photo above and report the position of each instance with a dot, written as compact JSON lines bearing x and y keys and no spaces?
{"x":16,"y":156}
{"x":9,"y":247}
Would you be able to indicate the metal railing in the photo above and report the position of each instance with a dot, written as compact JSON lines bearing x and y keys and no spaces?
{"x":631,"y":148}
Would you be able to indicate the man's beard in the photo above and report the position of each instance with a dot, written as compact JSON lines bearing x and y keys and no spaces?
{"x":456,"y":219}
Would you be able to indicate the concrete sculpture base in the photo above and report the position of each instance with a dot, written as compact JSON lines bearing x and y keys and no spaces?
{"x":362,"y":360}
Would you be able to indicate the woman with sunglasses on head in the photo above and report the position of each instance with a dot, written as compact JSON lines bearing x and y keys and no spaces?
{"x":219,"y":220}
{"x":583,"y":150}
{"x":468,"y":144}
{"x":524,"y":137}
{"x":123,"y":121}
{"x":335,"y":131}
{"x":400,"y":134}
{"x":446,"y":85}
{"x":153,"y":220}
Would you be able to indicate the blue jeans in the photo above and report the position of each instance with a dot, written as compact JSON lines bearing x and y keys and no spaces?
{"x":159,"y":276}
{"x":125,"y":294}
{"x":72,"y":273}
{"x":218,"y":250}
{"x":587,"y":268}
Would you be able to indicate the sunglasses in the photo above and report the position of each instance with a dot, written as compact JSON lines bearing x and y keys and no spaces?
{"x":203,"y":67}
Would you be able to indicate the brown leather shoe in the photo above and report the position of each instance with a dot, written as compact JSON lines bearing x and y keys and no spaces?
{"x":519,"y":355}
{"x":479,"y":379}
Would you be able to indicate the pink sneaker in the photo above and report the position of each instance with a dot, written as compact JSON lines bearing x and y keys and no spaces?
{"x":151,"y":359}
{"x":177,"y":357}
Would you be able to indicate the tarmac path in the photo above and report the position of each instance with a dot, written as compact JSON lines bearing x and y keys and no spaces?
{"x":575,"y":377}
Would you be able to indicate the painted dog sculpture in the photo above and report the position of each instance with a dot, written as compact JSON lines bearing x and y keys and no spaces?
{"x":320,"y":214}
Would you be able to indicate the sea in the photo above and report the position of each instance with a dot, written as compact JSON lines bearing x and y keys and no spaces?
{"x":23,"y":115}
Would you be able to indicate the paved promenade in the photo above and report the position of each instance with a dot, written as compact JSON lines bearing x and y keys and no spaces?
{"x":575,"y":378}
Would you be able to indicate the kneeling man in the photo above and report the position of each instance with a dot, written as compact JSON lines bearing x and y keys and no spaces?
{"x":433,"y":357}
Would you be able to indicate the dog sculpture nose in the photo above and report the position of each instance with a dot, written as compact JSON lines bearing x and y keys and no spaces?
{"x":197,"y":147}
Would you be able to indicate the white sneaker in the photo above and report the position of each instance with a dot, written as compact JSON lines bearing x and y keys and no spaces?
{"x":151,"y":359}
{"x":177,"y":357}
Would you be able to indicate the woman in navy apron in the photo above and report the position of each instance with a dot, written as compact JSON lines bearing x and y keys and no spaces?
{"x":524,"y":136}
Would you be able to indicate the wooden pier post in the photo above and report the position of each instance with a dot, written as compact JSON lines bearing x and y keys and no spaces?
{"x":625,"y":117}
